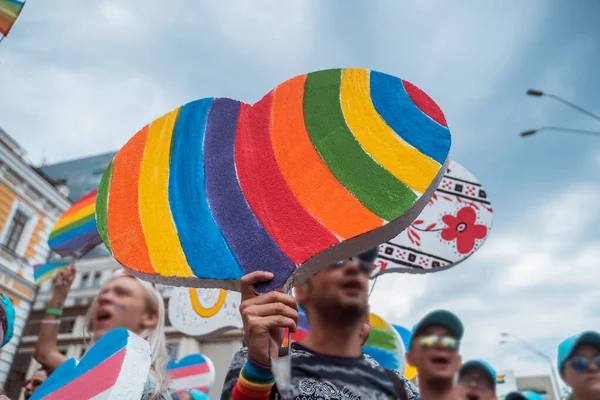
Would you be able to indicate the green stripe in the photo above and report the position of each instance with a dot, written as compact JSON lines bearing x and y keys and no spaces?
{"x":72,"y":225}
{"x":383,"y":339}
{"x":257,"y":380}
{"x":102,"y":205}
{"x":369,"y":182}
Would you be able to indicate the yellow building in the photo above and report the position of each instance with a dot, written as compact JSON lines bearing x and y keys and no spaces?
{"x":30,"y":205}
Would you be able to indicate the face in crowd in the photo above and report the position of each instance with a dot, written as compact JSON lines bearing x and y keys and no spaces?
{"x":477,"y":381}
{"x":579,"y":364}
{"x":34,"y":382}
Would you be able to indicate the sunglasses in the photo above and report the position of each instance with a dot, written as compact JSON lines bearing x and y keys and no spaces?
{"x":365,"y":266}
{"x":479,"y":381}
{"x":582,"y":364}
{"x":428,"y":341}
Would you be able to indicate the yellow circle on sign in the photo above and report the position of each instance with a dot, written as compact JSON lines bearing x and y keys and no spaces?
{"x":207,"y":312}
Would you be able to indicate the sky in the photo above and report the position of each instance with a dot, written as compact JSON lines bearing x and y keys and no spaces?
{"x":79,"y":78}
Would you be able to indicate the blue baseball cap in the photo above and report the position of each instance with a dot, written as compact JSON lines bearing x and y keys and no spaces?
{"x":9,"y":311}
{"x":481,"y":366}
{"x":442,"y":318}
{"x":526,"y":395}
{"x":566,"y":348}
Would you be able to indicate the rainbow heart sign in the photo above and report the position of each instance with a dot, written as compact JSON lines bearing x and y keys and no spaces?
{"x":75,"y":233}
{"x":195,"y":371}
{"x":116,"y":367}
{"x":325,"y":166}
{"x":204,"y":313}
{"x":385,"y":345}
{"x":454,"y":225}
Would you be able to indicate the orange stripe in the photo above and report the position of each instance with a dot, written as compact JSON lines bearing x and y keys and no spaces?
{"x":78,"y":206}
{"x":307,"y":175}
{"x":124,"y":226}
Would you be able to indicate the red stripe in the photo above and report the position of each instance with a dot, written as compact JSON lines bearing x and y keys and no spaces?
{"x":294,"y":229}
{"x":184,"y":372}
{"x":93,"y":382}
{"x":82,"y":203}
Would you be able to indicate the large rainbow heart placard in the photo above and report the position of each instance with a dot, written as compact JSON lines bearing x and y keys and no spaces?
{"x":325,"y":166}
{"x":115,"y":368}
{"x":454,"y":225}
{"x":385,"y":345}
{"x":75,"y":233}
{"x":409,"y":371}
{"x":195,"y":371}
{"x":204,"y":313}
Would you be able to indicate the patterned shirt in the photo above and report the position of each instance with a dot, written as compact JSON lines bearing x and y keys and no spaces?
{"x":324,"y":377}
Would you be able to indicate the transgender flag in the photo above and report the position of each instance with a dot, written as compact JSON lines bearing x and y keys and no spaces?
{"x":195,"y":371}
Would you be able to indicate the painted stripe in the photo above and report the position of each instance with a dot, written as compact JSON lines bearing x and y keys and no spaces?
{"x":306,"y":173}
{"x":159,"y":229}
{"x":199,"y":369}
{"x":396,"y":107}
{"x":192,"y":382}
{"x":187,"y":361}
{"x":298,"y":234}
{"x":102,"y":205}
{"x":124,"y":225}
{"x":370,"y":183}
{"x":74,"y":233}
{"x":406,"y":163}
{"x":83,"y":202}
{"x":384,"y":339}
{"x":72,"y":226}
{"x":194,"y":222}
{"x":378,"y":322}
{"x":245,"y":235}
{"x":82,"y":213}
{"x":384,"y":358}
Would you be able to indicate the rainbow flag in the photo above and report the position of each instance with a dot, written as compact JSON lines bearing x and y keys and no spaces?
{"x":75,"y":233}
{"x":43,"y":272}
{"x":9,"y":11}
{"x":500,"y":379}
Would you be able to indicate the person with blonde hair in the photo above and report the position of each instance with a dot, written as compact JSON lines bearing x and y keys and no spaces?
{"x":123,"y":301}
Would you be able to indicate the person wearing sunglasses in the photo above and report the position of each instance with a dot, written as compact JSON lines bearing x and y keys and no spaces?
{"x":477,"y":381}
{"x":33,"y":383}
{"x":579,"y":364}
{"x":328,"y":362}
{"x":433,"y":350}
{"x":525,"y":395}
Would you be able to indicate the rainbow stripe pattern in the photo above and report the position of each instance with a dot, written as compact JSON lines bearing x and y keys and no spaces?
{"x":385,"y":345}
{"x":9,"y":11}
{"x":116,"y":367}
{"x":75,"y":233}
{"x":405,"y":334}
{"x":43,"y":272}
{"x":218,"y":188}
{"x":194,"y":371}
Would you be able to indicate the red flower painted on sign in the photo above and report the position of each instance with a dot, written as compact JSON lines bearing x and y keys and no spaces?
{"x":464,"y":229}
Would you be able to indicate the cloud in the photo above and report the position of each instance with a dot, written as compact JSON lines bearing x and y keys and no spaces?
{"x":535,"y":278}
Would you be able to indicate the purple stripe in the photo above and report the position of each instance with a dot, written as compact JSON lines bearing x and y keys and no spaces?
{"x":90,"y":238}
{"x":245,"y":235}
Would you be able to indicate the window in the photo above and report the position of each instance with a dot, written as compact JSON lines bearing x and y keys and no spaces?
{"x":97,"y":279}
{"x":15,"y":230}
{"x":84,"y":280}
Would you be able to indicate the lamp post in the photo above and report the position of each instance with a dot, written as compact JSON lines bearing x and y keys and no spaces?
{"x":539,"y":93}
{"x":554,"y":377}
{"x":558,"y":128}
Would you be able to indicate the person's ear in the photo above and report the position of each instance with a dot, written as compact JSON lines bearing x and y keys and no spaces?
{"x":150,"y":319}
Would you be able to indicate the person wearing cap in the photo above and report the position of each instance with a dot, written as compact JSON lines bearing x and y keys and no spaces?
{"x":579,"y":364}
{"x":433,"y":350}
{"x":526,"y":395}
{"x":477,"y":381}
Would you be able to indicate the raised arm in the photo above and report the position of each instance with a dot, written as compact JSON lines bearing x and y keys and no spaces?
{"x":46,"y":349}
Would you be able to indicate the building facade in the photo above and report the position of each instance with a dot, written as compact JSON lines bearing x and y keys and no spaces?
{"x":30,"y":205}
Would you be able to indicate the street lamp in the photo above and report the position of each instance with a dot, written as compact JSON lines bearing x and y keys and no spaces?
{"x":555,"y":386}
{"x":539,"y":93}
{"x":558,"y":128}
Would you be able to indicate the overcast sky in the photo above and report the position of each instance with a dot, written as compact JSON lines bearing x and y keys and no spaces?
{"x":80,"y":77}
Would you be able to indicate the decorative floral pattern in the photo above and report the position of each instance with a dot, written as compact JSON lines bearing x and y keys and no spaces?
{"x":463,"y":229}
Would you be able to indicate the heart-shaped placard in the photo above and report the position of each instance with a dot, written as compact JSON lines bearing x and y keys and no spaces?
{"x":325,"y":166}
{"x":75,"y":233}
{"x":409,"y":372}
{"x":385,"y":345}
{"x":204,"y":313}
{"x":115,"y":368}
{"x":454,"y":225}
{"x":195,"y":371}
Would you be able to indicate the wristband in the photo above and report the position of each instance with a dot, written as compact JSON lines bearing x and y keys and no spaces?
{"x":54,"y":311}
{"x":255,"y":382}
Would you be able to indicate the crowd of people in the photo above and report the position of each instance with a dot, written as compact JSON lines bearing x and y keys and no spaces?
{"x":328,"y":363}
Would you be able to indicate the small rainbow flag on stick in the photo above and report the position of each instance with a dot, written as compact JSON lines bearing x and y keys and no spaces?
{"x":9,"y":11}
{"x":500,"y":379}
{"x":75,"y":233}
{"x":43,"y":272}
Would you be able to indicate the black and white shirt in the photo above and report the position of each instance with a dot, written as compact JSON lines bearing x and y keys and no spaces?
{"x":324,"y":377}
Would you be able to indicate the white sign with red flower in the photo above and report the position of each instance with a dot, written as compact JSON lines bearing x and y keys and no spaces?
{"x":450,"y":228}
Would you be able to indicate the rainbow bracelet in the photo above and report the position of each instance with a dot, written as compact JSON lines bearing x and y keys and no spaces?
{"x":255,"y":382}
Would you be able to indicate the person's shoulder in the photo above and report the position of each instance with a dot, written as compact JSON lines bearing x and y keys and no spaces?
{"x":411,"y":389}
